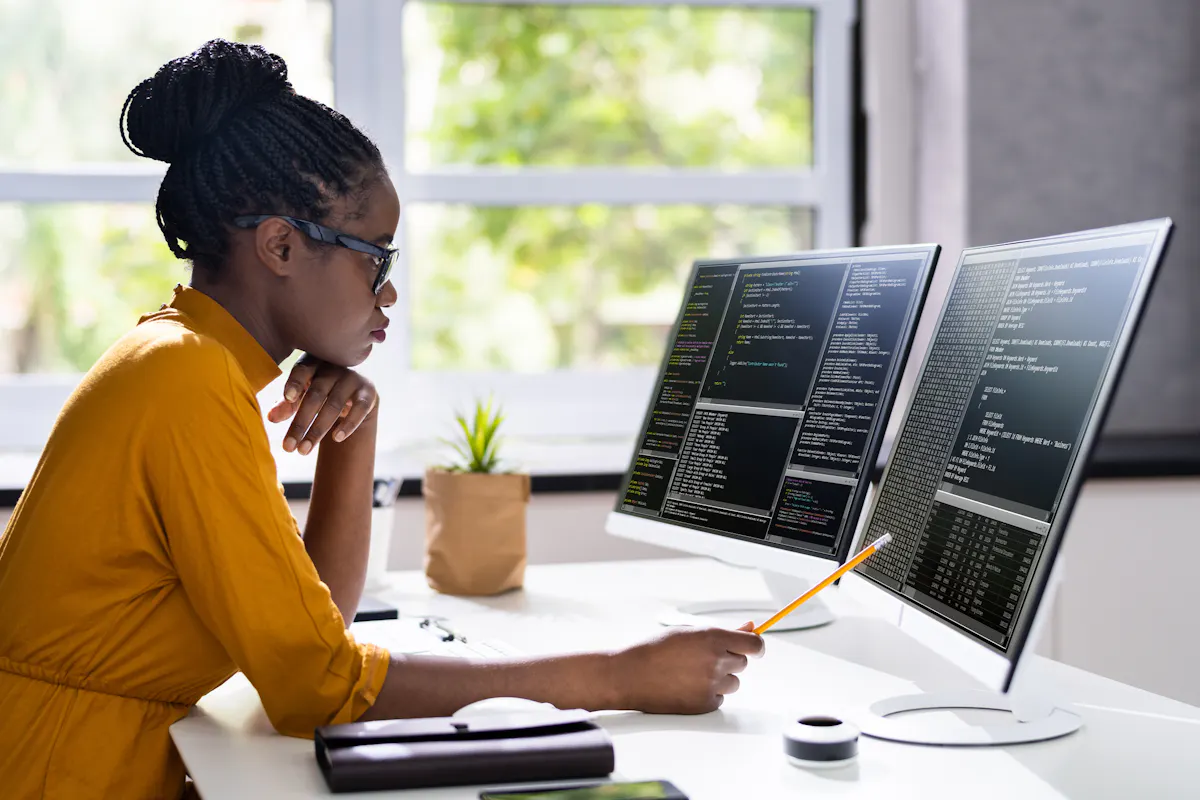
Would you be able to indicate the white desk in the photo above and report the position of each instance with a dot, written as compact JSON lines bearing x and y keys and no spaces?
{"x":1134,"y":744}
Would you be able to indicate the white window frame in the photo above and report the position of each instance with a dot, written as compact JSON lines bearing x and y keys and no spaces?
{"x":368,"y":74}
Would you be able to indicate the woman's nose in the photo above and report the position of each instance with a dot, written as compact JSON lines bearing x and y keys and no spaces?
{"x":387,"y":295}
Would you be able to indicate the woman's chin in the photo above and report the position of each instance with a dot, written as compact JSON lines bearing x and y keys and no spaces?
{"x":344,"y":357}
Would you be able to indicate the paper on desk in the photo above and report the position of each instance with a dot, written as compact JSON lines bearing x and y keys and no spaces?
{"x":395,"y":635}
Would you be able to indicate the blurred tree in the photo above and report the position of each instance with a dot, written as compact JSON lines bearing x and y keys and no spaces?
{"x":571,"y":86}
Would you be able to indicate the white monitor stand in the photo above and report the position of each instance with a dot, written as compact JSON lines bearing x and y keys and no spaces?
{"x":731,"y":613}
{"x":1037,"y":719}
{"x":1036,"y":714}
{"x":787,"y":574}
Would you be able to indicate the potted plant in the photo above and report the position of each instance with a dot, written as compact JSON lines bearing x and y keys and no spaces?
{"x":475,"y":513}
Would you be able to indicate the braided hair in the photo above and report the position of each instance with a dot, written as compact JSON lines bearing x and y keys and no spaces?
{"x":239,"y":140}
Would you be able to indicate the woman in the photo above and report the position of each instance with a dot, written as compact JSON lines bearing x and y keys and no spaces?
{"x":153,"y":554}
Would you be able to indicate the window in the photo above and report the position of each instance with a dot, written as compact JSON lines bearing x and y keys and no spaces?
{"x":81,"y":257}
{"x":592,"y":286}
{"x":628,"y":86}
{"x":560,"y":166}
{"x":73,"y":279}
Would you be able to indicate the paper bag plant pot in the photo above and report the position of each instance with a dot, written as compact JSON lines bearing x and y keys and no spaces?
{"x":474,"y":531}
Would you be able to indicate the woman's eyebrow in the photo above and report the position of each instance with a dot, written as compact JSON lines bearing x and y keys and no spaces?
{"x":384,"y":238}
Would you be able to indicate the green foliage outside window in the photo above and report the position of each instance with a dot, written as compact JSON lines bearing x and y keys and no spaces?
{"x":591,"y":86}
{"x":569,"y":86}
{"x":77,"y":277}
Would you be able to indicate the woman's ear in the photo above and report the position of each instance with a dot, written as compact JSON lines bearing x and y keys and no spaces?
{"x":275,"y":245}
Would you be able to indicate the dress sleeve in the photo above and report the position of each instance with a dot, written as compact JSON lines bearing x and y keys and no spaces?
{"x":232,"y":540}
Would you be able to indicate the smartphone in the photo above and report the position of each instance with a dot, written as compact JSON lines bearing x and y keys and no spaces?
{"x":638,"y":790}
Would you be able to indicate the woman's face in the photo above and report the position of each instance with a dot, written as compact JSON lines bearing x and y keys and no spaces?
{"x":336,"y":317}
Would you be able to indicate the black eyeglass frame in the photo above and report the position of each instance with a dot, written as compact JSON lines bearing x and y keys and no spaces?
{"x":385,"y":257}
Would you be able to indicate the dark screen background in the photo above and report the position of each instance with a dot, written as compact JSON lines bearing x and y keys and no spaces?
{"x":734,"y":458}
{"x":680,"y":386}
{"x":856,"y":364}
{"x":773,"y":333}
{"x":1041,"y":374}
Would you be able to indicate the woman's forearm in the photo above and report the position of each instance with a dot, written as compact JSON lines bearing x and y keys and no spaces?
{"x":337,"y":534}
{"x":681,"y":671}
{"x":427,"y":686}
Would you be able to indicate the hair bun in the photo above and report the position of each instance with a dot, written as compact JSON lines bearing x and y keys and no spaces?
{"x":191,"y":98}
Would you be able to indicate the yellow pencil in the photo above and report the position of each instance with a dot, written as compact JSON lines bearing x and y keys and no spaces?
{"x":867,"y":552}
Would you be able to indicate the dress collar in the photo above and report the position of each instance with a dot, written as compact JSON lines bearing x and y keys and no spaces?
{"x":207,"y":316}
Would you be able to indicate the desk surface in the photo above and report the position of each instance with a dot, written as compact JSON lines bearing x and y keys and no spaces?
{"x":1133,"y":743}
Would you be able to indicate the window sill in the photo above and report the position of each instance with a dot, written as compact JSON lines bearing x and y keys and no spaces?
{"x":556,"y":465}
{"x":586,"y":465}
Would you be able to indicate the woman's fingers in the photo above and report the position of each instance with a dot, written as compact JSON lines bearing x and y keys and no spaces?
{"x":329,"y":413}
{"x":310,"y":406}
{"x":322,"y":400}
{"x":734,"y":662}
{"x":727,"y":684}
{"x":360,"y":405}
{"x":303,"y":372}
{"x":282,"y":410}
{"x":301,"y":376}
{"x":348,"y":403}
{"x":293,"y":390}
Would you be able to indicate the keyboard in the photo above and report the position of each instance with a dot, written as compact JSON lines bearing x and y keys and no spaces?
{"x":427,"y":636}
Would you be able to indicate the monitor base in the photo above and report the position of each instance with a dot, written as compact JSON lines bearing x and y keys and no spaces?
{"x":732,"y":613}
{"x":1046,"y":722}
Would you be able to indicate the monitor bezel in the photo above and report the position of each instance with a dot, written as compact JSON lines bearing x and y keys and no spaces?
{"x":769,"y":555}
{"x":994,"y":669}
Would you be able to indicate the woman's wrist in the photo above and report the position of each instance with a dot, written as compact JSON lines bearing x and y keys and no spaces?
{"x":613,"y":680}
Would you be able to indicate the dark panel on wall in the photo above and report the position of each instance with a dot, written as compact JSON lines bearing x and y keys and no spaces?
{"x":1084,"y":113}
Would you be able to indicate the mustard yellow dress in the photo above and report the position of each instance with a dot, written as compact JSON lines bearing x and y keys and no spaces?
{"x":151,"y":557}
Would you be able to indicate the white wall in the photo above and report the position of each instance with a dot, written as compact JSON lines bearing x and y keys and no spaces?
{"x":1127,"y":609}
{"x":560,"y":528}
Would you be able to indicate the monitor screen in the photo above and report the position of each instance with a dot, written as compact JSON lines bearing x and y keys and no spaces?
{"x":1019,"y":362}
{"x":767,"y":416}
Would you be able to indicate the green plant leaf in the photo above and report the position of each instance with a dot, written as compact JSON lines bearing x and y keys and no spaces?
{"x":482,"y":434}
{"x":478,"y":446}
{"x":462,"y":454}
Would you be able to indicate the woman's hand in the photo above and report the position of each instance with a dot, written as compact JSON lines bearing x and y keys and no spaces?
{"x":684,"y":671}
{"x":323,"y":398}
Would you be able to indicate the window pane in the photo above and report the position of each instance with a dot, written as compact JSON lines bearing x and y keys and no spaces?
{"x":540,"y":288}
{"x":67,"y":65}
{"x":618,"y":86}
{"x":74,"y":278}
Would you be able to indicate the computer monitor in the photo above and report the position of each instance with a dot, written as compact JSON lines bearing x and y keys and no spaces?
{"x":766,"y":420}
{"x":990,"y":456}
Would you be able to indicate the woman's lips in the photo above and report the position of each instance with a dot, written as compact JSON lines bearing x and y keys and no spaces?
{"x":378,"y":335}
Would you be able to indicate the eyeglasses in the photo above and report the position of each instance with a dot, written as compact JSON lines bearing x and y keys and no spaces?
{"x":384,"y":257}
